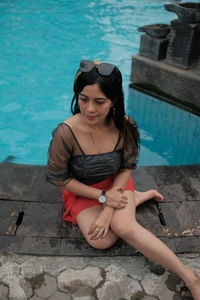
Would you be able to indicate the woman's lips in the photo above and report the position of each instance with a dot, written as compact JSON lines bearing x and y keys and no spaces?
{"x":90,"y":117}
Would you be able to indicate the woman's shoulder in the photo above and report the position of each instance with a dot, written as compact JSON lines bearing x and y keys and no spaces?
{"x":72,"y":122}
{"x":64,"y":128}
{"x":71,"y":119}
{"x":67,"y":129}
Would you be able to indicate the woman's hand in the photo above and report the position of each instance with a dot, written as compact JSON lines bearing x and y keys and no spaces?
{"x":99,"y":228}
{"x":115,"y":198}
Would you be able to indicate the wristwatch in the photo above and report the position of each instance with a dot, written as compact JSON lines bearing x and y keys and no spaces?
{"x":102,"y":197}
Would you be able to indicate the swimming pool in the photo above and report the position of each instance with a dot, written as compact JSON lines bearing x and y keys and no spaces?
{"x":42,"y":43}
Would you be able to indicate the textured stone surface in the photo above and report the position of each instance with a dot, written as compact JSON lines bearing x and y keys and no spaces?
{"x":74,"y":279}
{"x":48,"y":288}
{"x":187,"y":244}
{"x":194,"y":264}
{"x":84,"y":293}
{"x":129,"y":287}
{"x":157,"y":77}
{"x":35,"y":298}
{"x":51,"y":214}
{"x":154,"y":48}
{"x":19,"y":259}
{"x":25,"y":178}
{"x":188,"y":223}
{"x":131,"y":264}
{"x":2,"y":259}
{"x":153,"y":285}
{"x":8,"y":216}
{"x":3,"y":292}
{"x":109,"y":290}
{"x":118,"y":281}
{"x":167,"y":294}
{"x":60,"y":296}
{"x":114,"y":273}
{"x":19,"y":289}
{"x":35,"y":266}
{"x":120,"y":278}
{"x":148,"y":179}
{"x":184,"y":42}
{"x":179,"y":184}
{"x":31,"y":268}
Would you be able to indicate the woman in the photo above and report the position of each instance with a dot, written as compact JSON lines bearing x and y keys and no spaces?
{"x":91,"y":157}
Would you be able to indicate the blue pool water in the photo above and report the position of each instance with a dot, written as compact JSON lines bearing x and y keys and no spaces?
{"x":41,"y":45}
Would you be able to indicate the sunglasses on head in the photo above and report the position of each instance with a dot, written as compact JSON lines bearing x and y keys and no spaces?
{"x":103,"y":69}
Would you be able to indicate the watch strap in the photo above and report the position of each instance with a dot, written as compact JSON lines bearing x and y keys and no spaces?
{"x":103,"y":193}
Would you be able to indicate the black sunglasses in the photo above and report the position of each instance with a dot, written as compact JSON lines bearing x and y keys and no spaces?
{"x":103,"y":69}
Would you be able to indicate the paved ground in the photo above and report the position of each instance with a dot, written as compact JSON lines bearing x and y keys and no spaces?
{"x":54,"y":262}
{"x":84,"y":278}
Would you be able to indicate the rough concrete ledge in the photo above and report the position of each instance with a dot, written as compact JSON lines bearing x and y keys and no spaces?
{"x":167,"y":82}
{"x":43,"y":232}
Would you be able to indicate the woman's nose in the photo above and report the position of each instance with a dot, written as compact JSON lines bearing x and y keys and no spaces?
{"x":91,"y":107}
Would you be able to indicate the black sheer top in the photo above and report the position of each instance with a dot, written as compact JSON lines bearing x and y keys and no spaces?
{"x":66,"y":159}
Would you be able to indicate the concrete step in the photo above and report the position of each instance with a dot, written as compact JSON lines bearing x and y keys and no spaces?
{"x":43,"y":232}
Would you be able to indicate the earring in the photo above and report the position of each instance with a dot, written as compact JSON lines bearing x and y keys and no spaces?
{"x":113,"y":110}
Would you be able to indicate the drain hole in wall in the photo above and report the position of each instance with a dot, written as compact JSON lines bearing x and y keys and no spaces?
{"x":19,"y":220}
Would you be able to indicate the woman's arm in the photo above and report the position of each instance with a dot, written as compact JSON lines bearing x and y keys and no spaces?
{"x":82,"y":189}
{"x":122,"y":178}
{"x":103,"y":220}
{"x":115,"y":198}
{"x":119,"y":183}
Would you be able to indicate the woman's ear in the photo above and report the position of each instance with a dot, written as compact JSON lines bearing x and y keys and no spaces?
{"x":114,"y":101}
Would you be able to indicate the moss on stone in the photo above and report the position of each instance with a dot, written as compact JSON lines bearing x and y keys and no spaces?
{"x":138,"y":296}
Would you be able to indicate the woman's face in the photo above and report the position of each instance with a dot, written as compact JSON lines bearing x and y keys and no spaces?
{"x":94,"y":105}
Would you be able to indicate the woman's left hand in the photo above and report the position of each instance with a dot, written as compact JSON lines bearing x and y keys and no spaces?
{"x":99,"y":228}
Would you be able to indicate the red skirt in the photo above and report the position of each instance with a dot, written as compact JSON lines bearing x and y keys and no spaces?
{"x":74,"y":204}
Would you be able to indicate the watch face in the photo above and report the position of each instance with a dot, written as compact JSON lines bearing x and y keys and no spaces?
{"x":102,"y":199}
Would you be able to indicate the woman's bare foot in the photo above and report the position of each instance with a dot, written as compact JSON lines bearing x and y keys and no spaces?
{"x":194,"y":286}
{"x":141,"y":197}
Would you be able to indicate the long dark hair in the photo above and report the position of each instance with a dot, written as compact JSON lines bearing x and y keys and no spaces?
{"x":111,"y":86}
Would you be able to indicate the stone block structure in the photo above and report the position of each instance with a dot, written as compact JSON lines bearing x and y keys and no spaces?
{"x":184,"y":45}
{"x":154,"y":48}
{"x":168,"y":63}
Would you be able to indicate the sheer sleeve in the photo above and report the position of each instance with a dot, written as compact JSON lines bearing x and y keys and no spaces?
{"x":131,"y":145}
{"x":60,"y":151}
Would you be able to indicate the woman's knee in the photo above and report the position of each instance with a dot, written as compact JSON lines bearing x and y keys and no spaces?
{"x":125,"y":229}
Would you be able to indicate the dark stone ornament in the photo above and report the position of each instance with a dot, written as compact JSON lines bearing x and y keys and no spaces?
{"x":187,"y":12}
{"x":168,"y":64}
{"x":153,"y":44}
{"x":154,"y":48}
{"x":156,"y":30}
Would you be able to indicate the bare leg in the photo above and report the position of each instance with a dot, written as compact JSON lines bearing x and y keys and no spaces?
{"x":126,"y":226}
{"x":141,"y":197}
{"x":85,"y":219}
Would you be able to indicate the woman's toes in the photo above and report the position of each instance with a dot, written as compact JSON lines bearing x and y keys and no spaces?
{"x":157,"y":196}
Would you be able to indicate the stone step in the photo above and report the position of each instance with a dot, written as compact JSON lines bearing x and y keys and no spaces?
{"x":43,"y":232}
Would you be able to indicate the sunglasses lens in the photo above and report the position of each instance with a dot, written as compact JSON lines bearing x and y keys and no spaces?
{"x":105,"y":69}
{"x":86,"y":65}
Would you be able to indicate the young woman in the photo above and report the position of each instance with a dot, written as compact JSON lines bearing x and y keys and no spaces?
{"x":91,"y":157}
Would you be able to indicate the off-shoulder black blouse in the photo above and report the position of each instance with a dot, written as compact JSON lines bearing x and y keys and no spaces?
{"x":66,"y":159}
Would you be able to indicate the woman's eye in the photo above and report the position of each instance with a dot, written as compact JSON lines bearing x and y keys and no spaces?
{"x":83,"y":99}
{"x":100,"y":102}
